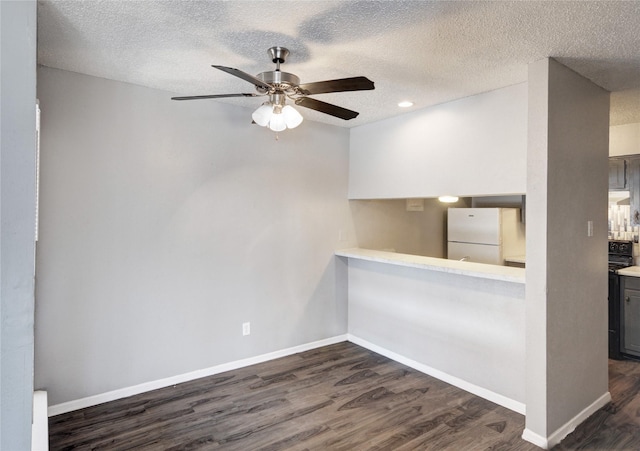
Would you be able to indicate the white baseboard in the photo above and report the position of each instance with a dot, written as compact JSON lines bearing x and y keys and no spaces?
{"x":162,"y":383}
{"x":509,"y":403}
{"x":536,"y":439}
{"x":568,"y":427}
{"x":40,"y":423}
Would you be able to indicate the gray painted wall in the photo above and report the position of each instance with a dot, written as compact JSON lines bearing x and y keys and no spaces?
{"x":17,"y":213}
{"x":166,"y":225}
{"x":566,"y":288}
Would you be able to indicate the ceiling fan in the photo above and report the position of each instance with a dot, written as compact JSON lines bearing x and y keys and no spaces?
{"x":279,"y":86}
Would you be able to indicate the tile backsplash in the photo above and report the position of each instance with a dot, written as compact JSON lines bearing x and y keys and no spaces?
{"x":620,"y":223}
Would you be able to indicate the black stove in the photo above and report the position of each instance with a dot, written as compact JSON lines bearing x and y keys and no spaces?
{"x":620,"y":254}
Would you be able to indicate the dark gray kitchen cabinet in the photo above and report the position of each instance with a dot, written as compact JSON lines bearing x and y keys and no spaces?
{"x":633,"y":185}
{"x":630,"y":315}
{"x":624,"y":175}
{"x":617,"y":174}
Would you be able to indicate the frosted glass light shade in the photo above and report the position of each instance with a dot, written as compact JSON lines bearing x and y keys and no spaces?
{"x":448,"y":199}
{"x":263,"y":114}
{"x":291,"y":116}
{"x":277,"y":117}
{"x":277,"y":122}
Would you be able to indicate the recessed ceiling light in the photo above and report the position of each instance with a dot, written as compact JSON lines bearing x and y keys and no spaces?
{"x":405,"y":104}
{"x":448,"y":199}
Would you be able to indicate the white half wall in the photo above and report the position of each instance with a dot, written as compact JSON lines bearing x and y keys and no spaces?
{"x":166,"y":225}
{"x":17,"y":211}
{"x":474,"y":146}
{"x":463,"y":328}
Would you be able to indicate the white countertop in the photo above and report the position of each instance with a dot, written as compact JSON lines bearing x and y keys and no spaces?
{"x":495,"y":272}
{"x":633,"y":271}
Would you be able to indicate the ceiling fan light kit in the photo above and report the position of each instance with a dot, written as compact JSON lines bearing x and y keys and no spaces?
{"x":279,"y":86}
{"x":276,"y":115}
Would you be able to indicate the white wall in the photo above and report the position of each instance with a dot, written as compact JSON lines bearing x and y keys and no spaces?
{"x":166,"y":225}
{"x":474,"y":146}
{"x":624,"y":139}
{"x":17,"y":229}
{"x":566,"y":288}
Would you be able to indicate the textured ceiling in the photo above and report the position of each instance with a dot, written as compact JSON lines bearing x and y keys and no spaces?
{"x":425,"y":51}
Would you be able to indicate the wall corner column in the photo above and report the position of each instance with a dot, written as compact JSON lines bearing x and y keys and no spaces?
{"x":566,"y":290}
{"x":17,"y":211}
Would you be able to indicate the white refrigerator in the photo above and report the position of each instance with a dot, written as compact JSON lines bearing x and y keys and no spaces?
{"x":484,"y":235}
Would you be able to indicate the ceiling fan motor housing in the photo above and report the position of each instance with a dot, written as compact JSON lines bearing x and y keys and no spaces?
{"x":280,"y":81}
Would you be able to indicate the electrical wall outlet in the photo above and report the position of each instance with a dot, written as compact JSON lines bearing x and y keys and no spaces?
{"x":589,"y":228}
{"x":246,"y":328}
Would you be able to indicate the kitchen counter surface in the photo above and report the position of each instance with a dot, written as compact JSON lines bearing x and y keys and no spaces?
{"x":633,"y":271}
{"x":495,"y":272}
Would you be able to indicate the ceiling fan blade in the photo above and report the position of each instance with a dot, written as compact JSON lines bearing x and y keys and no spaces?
{"x":339,"y":85}
{"x":326,"y":108}
{"x":245,"y":76}
{"x":214,"y":96}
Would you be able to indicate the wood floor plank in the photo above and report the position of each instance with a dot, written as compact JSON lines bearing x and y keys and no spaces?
{"x":339,"y":397}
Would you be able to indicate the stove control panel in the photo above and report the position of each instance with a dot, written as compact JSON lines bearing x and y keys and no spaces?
{"x":619,"y":247}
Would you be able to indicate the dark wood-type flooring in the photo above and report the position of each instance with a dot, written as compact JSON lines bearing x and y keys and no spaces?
{"x":340,"y":397}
